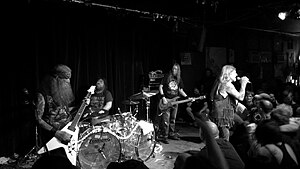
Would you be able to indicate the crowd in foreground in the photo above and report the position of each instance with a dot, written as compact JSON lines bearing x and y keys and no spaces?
{"x":265,"y":134}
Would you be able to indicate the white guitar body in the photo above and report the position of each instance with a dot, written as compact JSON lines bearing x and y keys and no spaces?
{"x":70,"y":148}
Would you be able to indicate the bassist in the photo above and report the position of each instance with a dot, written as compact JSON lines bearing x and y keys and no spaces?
{"x":171,"y":87}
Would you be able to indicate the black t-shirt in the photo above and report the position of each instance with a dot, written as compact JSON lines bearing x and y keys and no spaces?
{"x":171,"y":86}
{"x":98,"y":101}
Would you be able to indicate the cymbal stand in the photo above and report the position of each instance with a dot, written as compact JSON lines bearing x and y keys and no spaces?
{"x":147,"y":99}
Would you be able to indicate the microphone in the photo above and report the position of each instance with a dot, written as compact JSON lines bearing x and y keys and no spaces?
{"x":239,"y":78}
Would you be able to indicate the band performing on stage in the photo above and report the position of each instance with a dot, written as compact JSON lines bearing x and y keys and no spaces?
{"x":90,"y":137}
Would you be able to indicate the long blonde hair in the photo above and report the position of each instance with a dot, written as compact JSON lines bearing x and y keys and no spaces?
{"x":178,"y":75}
{"x":225,"y":73}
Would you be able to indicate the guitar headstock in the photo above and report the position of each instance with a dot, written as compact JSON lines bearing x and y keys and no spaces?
{"x":196,"y":98}
{"x":92,"y":89}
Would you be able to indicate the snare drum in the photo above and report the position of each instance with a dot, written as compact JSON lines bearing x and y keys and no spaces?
{"x":100,"y":120}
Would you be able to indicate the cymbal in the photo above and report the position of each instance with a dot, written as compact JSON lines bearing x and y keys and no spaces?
{"x":143,"y":95}
{"x":138,"y":96}
{"x":130,"y":102}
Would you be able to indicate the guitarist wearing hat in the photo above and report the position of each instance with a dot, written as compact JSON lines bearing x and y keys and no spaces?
{"x":170,"y":89}
{"x":57,"y":129}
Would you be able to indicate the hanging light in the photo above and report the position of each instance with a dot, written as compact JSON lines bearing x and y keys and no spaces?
{"x":282,"y":15}
{"x":293,"y":13}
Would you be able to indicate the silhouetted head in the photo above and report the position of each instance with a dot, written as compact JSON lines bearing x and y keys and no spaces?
{"x":281,"y":116}
{"x":268,"y":132}
{"x":214,"y":130}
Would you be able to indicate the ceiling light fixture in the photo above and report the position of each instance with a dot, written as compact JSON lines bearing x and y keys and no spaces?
{"x":293,"y":13}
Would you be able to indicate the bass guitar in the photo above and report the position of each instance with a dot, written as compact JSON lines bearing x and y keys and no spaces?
{"x":73,"y":130}
{"x":174,"y":101}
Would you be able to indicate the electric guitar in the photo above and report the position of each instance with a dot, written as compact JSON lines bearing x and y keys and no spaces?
{"x":174,"y":101}
{"x":73,"y":130}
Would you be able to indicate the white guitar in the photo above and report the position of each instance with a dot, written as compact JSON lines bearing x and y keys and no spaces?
{"x":72,"y":129}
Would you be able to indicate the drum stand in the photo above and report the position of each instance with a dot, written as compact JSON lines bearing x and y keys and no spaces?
{"x":147,"y":99}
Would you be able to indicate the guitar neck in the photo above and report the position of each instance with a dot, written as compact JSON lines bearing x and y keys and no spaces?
{"x":79,"y":114}
{"x":187,"y":100}
{"x":181,"y":101}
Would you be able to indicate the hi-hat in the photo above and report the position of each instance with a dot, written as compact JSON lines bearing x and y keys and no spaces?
{"x":130,"y":102}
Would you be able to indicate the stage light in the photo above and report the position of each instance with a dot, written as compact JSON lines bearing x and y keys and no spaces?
{"x":282,"y":15}
{"x":293,"y":12}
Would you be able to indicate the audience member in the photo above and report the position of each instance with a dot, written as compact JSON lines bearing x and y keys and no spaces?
{"x":288,"y":126}
{"x":198,"y":107}
{"x":193,"y":159}
{"x":248,"y":100}
{"x":208,"y":80}
{"x":270,"y":150}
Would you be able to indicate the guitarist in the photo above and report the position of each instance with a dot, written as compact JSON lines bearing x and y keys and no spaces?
{"x":52,"y":113}
{"x":171,"y":87}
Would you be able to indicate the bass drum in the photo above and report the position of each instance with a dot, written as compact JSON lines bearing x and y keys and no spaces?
{"x":98,"y":148}
{"x":141,"y":144}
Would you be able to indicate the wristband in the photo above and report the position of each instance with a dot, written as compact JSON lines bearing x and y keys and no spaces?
{"x":103,"y":110}
{"x":53,"y":130}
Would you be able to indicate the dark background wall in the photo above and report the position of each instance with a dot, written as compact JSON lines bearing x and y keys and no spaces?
{"x":123,"y":47}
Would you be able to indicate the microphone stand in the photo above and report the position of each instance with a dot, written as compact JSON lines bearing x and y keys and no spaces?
{"x":32,"y":154}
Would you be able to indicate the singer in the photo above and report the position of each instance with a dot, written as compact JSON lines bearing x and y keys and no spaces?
{"x":225,"y":97}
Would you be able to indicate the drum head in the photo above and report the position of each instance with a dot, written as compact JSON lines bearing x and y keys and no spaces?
{"x":140,"y":145}
{"x":98,"y":149}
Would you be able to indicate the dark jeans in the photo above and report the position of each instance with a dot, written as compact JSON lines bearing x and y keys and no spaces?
{"x":166,"y":121}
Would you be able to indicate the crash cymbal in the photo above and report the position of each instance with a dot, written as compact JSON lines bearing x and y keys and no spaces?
{"x":138,"y":96}
{"x":130,"y":102}
{"x":143,"y":95}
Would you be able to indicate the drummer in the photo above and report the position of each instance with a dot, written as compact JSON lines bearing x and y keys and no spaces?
{"x":100,"y":102}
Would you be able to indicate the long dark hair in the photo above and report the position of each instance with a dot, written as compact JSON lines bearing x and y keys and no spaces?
{"x":104,"y":81}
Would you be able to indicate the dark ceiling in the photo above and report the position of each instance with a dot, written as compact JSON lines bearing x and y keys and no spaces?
{"x":249,"y":14}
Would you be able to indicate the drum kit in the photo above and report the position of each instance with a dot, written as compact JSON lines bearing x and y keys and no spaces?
{"x":115,"y":138}
{"x":112,"y":138}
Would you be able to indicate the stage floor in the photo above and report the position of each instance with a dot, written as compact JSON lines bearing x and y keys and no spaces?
{"x":189,"y":140}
